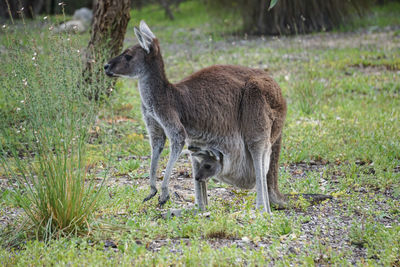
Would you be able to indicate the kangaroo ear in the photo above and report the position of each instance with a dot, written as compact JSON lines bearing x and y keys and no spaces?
{"x":144,"y":41}
{"x":146,"y":30}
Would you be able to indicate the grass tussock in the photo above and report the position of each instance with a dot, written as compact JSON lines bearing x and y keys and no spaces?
{"x":45,"y":119}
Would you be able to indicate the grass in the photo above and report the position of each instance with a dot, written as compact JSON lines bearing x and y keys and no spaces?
{"x":340,"y":138}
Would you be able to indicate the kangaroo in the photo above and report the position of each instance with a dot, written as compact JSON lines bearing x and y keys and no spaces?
{"x":239,"y":111}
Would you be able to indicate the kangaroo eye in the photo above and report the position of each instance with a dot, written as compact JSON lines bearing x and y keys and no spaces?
{"x":207,"y":166}
{"x":128,"y":57}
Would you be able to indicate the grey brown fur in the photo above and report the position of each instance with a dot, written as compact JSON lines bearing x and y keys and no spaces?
{"x":235,"y":110}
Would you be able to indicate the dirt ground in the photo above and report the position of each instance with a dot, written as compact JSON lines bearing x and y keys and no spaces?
{"x":327,"y":222}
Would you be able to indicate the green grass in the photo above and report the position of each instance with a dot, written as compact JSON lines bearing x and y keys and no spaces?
{"x":194,"y":21}
{"x":343,"y":115}
{"x":377,"y":17}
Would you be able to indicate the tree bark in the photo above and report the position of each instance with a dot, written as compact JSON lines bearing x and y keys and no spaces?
{"x":110,"y":21}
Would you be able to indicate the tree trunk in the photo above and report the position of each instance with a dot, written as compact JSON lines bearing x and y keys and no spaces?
{"x":260,"y":21}
{"x":110,"y":21}
{"x":166,"y":5}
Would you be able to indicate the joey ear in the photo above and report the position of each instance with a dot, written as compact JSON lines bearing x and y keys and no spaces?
{"x":215,"y":154}
{"x":194,"y":148}
{"x":201,"y":154}
{"x":143,"y":41}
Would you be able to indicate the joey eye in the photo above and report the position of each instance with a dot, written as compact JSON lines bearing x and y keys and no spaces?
{"x":128,"y":57}
{"x":207,"y":166}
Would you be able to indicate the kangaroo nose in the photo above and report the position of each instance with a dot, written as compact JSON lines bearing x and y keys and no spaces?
{"x":106,"y":66}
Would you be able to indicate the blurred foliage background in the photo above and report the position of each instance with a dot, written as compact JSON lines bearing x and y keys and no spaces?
{"x":250,"y":16}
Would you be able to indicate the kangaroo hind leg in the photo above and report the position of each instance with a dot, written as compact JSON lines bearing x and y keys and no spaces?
{"x":266,"y":166}
{"x":256,"y":125}
{"x":259,"y":156}
{"x":275,"y":196}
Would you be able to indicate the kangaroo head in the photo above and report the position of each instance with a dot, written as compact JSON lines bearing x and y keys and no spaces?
{"x":138,"y":59}
{"x":206,"y":163}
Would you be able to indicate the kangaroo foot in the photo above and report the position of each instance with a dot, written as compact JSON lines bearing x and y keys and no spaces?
{"x":279,"y":201}
{"x":153,"y":192}
{"x":162,"y":200}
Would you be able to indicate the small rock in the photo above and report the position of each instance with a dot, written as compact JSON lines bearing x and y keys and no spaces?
{"x":83,"y":14}
{"x":72,"y":26}
{"x":110,"y":244}
{"x":246,"y":239}
{"x":171,"y":213}
{"x":292,"y":250}
{"x":205,"y":214}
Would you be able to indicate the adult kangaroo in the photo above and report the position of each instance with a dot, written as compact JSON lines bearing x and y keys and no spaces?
{"x":230,"y":108}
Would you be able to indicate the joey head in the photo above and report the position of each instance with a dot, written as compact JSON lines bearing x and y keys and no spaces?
{"x":205,"y":163}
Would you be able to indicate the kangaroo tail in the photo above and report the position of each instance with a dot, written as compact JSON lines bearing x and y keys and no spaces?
{"x":312,"y":198}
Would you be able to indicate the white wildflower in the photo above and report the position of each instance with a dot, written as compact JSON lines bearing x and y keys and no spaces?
{"x":45,"y":17}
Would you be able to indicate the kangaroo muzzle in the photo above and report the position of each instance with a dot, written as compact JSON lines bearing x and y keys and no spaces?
{"x":107,"y":70}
